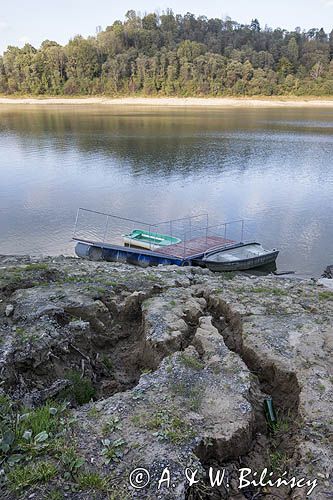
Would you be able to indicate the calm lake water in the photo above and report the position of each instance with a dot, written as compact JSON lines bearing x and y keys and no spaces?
{"x":271,"y":166}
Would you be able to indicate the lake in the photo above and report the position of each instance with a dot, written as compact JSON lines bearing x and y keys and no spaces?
{"x":271,"y":166}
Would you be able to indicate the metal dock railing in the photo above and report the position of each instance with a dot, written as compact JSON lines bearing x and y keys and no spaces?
{"x":195,"y":233}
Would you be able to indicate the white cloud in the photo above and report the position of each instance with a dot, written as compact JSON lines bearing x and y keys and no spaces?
{"x":328,"y":3}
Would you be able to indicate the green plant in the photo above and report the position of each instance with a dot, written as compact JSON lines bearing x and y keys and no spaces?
{"x":195,"y":398}
{"x":179,"y":388}
{"x":81,"y":390}
{"x":57,"y":444}
{"x":147,"y":303}
{"x":55,"y":495}
{"x":274,"y":291}
{"x":19,"y":330}
{"x":107,"y":363}
{"x":281,"y":426}
{"x":229,"y":275}
{"x":278,"y":461}
{"x":138,"y":419}
{"x":217,"y":369}
{"x":321,"y":387}
{"x":113,"y":450}
{"x":192,"y":394}
{"x":151,"y":277}
{"x":22,"y":476}
{"x":22,"y":336}
{"x":146,"y":371}
{"x":325,"y":295}
{"x":40,"y":266}
{"x":110,"y":283}
{"x":191,"y":362}
{"x":170,"y":426}
{"x":28,"y":432}
{"x":42,"y":419}
{"x":99,"y":290}
{"x":277,"y":291}
{"x":114,"y":424}
{"x":93,"y":412}
{"x":71,"y":462}
{"x":92,"y":481}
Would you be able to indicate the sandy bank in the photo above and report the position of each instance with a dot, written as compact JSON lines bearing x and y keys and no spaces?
{"x":177,"y":101}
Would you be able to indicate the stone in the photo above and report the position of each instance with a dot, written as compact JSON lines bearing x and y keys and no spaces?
{"x":328,"y":273}
{"x":326,"y":282}
{"x":9,"y":310}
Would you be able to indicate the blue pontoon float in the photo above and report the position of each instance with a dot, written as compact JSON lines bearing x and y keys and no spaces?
{"x":102,"y":236}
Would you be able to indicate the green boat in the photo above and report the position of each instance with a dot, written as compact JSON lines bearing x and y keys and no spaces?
{"x":146,"y":239}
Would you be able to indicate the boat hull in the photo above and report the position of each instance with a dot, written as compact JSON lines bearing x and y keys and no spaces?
{"x":242,"y":265}
{"x":238,"y":257}
{"x":133,"y":243}
{"x":151,"y":241}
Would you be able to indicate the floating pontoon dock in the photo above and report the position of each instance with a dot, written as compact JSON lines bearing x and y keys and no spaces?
{"x":99,"y":236}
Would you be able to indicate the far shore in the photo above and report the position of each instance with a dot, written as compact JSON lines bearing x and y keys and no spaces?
{"x":247,"y":102}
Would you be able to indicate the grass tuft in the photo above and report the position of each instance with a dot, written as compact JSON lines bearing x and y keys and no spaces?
{"x":325,"y":295}
{"x":36,"y":267}
{"x":170,"y":426}
{"x":22,"y":476}
{"x":81,"y":391}
{"x":92,"y":481}
{"x":191,"y":362}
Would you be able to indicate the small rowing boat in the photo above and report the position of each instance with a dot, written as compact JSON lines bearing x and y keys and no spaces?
{"x":151,"y":241}
{"x":239,"y":257}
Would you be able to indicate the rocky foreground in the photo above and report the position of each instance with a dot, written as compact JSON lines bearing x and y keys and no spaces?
{"x":107,"y":369}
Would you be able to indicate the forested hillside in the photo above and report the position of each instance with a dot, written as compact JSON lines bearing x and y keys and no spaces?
{"x":175,"y":55}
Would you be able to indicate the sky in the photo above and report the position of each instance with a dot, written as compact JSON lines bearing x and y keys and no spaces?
{"x":39,"y":20}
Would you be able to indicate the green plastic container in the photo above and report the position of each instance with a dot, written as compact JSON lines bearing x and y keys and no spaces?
{"x":270,"y":412}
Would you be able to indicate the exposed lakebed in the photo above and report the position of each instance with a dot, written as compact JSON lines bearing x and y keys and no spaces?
{"x":175,"y":365}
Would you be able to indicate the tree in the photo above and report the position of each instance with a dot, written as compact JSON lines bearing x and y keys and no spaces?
{"x":175,"y":54}
{"x":51,"y":67}
{"x":331,"y":45}
{"x":82,"y":59}
{"x":255,"y":25}
{"x":132,"y":19}
{"x":321,"y":35}
{"x":293,"y":51}
{"x":317,"y":70}
{"x":3,"y":78}
{"x":188,"y":51}
{"x":150,"y":22}
{"x":285,"y":67}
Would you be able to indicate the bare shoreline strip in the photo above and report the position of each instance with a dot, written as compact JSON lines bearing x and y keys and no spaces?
{"x":175,"y":101}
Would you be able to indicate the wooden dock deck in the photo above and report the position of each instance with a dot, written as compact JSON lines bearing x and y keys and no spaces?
{"x":194,"y":246}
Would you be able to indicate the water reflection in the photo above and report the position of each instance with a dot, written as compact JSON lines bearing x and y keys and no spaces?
{"x":270,"y":165}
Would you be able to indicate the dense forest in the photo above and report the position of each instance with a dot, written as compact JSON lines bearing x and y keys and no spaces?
{"x":175,"y":55}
